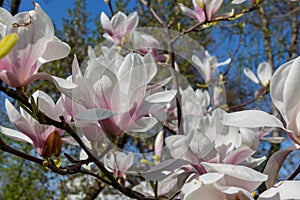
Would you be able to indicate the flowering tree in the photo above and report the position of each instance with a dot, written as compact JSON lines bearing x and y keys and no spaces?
{"x":132,"y":86}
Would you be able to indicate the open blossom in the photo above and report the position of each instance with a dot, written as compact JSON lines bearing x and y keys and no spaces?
{"x":264,"y":73}
{"x":37,"y":45}
{"x":118,"y":162}
{"x":45,"y":139}
{"x":119,"y":27}
{"x":118,"y":91}
{"x":208,"y":65}
{"x":286,"y":95}
{"x":204,"y":9}
{"x":145,"y":43}
{"x":214,"y":155}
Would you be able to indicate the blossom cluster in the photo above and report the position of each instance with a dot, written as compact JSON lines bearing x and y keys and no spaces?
{"x":208,"y":152}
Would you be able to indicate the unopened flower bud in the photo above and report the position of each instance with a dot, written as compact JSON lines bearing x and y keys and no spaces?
{"x":52,"y":145}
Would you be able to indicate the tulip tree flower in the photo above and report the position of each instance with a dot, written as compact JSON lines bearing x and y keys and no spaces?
{"x":45,"y":139}
{"x":286,"y":95}
{"x":37,"y":45}
{"x":204,"y":9}
{"x":119,"y":27}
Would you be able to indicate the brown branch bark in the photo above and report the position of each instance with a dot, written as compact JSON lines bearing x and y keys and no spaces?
{"x":44,"y":119}
{"x":14,"y":7}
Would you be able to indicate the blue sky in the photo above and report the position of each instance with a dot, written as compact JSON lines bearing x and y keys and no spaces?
{"x":57,"y":9}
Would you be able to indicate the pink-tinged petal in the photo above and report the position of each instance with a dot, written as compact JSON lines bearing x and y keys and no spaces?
{"x":9,"y":78}
{"x":33,"y":38}
{"x":15,"y":135}
{"x":250,"y":74}
{"x":239,"y":155}
{"x":19,"y":122}
{"x":251,"y":119}
{"x":212,"y":6}
{"x":56,"y":49}
{"x":91,"y":130}
{"x":46,"y":104}
{"x":158,"y":144}
{"x":277,"y":87}
{"x":237,"y":176}
{"x":275,"y":162}
{"x":124,"y":160}
{"x":119,"y":25}
{"x":191,"y":13}
{"x":282,"y":190}
{"x":264,"y":73}
{"x":199,"y":8}
{"x":291,"y":92}
{"x":106,"y":24}
{"x":38,"y":76}
{"x":132,"y":22}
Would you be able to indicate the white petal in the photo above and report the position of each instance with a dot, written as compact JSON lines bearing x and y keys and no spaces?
{"x":277,"y":87}
{"x":249,"y":73}
{"x":64,"y":86}
{"x":163,"y":170}
{"x":56,"y":49}
{"x":264,"y":73}
{"x":143,"y":125}
{"x":203,"y":187}
{"x":238,"y":1}
{"x":291,"y":92}
{"x":282,"y":190}
{"x":165,"y":96}
{"x":238,"y":176}
{"x":251,"y":119}
{"x":16,"y":135}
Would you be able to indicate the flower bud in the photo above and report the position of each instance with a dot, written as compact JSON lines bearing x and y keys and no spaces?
{"x":52,"y":145}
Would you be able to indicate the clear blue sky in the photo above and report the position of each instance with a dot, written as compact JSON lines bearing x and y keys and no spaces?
{"x":57,"y":9}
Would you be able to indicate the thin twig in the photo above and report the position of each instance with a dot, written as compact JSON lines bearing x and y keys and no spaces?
{"x":44,"y":119}
{"x":296,"y":172}
{"x":147,"y":3}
